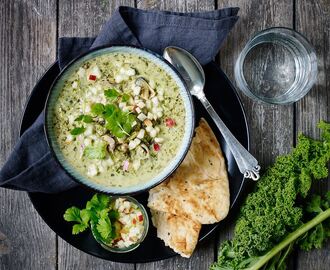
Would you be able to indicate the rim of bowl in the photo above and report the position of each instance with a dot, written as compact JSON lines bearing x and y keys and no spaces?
{"x":238,"y":67}
{"x":146,"y":223}
{"x":108,"y":189}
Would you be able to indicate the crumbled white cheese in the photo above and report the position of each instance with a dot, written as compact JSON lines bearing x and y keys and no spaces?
{"x":74,"y":85}
{"x":141,"y":116}
{"x":92,"y":170}
{"x":159,"y":140}
{"x":81,"y":72}
{"x":141,"y":134}
{"x":96,"y":71}
{"x":153,"y":133}
{"x":134,"y":143}
{"x":155,"y":101}
{"x":141,"y":104}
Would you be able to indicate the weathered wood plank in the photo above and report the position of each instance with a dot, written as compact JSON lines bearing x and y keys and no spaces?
{"x":204,"y":254}
{"x":313,"y":20}
{"x":271,"y":127}
{"x":27,"y":47}
{"x":85,"y":18}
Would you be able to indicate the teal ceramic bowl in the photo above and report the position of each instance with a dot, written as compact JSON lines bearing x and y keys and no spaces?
{"x":83,"y":179}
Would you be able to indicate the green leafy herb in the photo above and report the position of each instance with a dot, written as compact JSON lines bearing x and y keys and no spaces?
{"x":74,"y":214}
{"x":109,"y":109}
{"x":97,"y":108}
{"x":111,"y":93}
{"x":272,"y":220}
{"x":84,"y":118}
{"x":96,"y":151}
{"x":125,"y":97}
{"x":104,"y":227}
{"x":119,"y":123}
{"x":78,"y":228}
{"x":98,"y":213}
{"x":78,"y":130}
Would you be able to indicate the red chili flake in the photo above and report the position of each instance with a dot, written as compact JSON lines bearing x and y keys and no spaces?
{"x":156,"y":147}
{"x":140,"y":218}
{"x":92,"y":77}
{"x":169,"y":122}
{"x":134,"y":221}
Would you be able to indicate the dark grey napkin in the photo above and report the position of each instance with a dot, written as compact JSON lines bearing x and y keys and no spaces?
{"x":31,"y":166}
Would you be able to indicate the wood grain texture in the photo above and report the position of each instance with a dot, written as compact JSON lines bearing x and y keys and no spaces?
{"x":27,"y":47}
{"x":204,"y":254}
{"x":313,"y":21}
{"x":271,"y":127}
{"x":85,"y":18}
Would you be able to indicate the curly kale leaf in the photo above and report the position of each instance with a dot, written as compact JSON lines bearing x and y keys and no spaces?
{"x":272,"y":211}
{"x":319,"y":234}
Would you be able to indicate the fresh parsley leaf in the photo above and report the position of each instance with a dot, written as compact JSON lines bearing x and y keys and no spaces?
{"x":87,"y":119}
{"x":72,"y":214}
{"x":98,"y":215}
{"x":104,"y":227}
{"x":82,"y":217}
{"x":98,"y":202}
{"x":111,"y":93}
{"x":77,"y":130}
{"x":109,"y":109}
{"x":78,"y":228}
{"x":97,"y":108}
{"x":114,"y":127}
{"x":125,"y":97}
{"x":85,"y":216}
{"x":104,"y":200}
{"x":119,"y":123}
{"x":113,"y":215}
{"x":79,"y":118}
{"x":97,"y":151}
{"x":104,"y":213}
{"x":84,"y":118}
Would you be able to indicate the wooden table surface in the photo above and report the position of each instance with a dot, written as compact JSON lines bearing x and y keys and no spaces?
{"x":28,"y":33}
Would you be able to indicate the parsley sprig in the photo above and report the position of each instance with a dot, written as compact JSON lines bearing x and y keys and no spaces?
{"x":118,"y":122}
{"x":98,"y":214}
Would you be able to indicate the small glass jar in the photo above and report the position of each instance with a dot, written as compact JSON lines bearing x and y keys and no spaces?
{"x":277,"y":66}
{"x":135,"y":245}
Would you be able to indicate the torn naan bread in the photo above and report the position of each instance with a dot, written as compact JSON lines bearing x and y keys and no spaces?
{"x":178,"y":232}
{"x":199,"y":188}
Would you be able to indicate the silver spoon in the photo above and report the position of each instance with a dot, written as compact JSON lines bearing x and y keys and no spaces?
{"x":193,"y":74}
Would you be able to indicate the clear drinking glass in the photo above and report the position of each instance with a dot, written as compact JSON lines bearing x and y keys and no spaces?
{"x":277,"y":66}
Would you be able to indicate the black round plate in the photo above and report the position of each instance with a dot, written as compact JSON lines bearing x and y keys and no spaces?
{"x":226,"y":102}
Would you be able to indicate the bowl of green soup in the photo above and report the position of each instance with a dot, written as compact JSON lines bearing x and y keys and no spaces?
{"x":119,"y":119}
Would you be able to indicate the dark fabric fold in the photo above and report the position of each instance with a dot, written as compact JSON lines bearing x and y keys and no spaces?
{"x":31,"y":166}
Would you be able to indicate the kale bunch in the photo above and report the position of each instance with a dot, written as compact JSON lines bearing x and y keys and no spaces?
{"x":273,"y":212}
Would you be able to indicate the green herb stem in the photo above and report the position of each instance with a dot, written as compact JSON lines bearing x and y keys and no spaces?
{"x":290,"y":238}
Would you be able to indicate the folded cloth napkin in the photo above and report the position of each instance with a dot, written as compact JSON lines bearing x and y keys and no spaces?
{"x":31,"y":166}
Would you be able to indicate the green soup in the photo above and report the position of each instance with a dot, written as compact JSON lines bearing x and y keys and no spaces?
{"x":119,"y":119}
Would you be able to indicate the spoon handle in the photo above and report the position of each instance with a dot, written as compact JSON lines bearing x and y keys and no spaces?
{"x":247,"y":164}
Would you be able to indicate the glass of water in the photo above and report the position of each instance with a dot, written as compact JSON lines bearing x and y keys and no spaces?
{"x":277,"y":66}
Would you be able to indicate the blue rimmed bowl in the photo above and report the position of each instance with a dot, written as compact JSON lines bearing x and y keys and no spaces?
{"x":56,"y":89}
